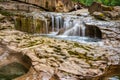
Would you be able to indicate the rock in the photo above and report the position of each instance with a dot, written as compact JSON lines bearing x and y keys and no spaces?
{"x":33,"y":5}
{"x":32,"y":24}
{"x":95,"y":7}
{"x":112,"y":15}
{"x":99,"y":15}
{"x":1,"y":17}
{"x":69,"y":58}
{"x":12,"y":71}
{"x":104,"y":12}
{"x":99,"y":7}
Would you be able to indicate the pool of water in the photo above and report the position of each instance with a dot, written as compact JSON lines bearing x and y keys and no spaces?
{"x":71,"y":38}
{"x":88,"y":40}
{"x":114,"y":78}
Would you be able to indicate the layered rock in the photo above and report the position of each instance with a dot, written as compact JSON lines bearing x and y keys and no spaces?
{"x":53,"y":5}
{"x":48,"y":5}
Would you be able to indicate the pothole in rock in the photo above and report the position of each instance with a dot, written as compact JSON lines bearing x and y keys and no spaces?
{"x":13,"y":65}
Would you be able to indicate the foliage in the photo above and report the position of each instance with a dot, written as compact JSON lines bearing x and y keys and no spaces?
{"x":105,"y":2}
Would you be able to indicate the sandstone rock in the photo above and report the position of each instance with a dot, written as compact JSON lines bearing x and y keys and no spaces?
{"x":1,"y":17}
{"x":50,"y":5}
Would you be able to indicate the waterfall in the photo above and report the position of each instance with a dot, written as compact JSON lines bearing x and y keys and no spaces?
{"x":72,"y":31}
{"x":53,"y":23}
{"x":59,"y":22}
{"x":68,"y":23}
{"x":83,"y":31}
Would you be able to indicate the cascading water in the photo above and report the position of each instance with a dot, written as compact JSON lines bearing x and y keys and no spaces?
{"x":68,"y":23}
{"x":72,"y":31}
{"x":83,"y":31}
{"x":64,"y":25}
{"x":53,"y":23}
{"x":58,"y":22}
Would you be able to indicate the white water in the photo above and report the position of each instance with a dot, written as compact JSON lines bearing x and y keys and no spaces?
{"x":53,"y":23}
{"x":71,"y":25}
{"x":72,"y":31}
{"x":83,"y":31}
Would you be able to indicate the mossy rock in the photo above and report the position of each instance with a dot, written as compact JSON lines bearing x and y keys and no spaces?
{"x":24,"y":24}
{"x":30,"y":25}
{"x":6,"y":13}
{"x":100,"y":16}
{"x":38,"y":26}
{"x":107,"y":8}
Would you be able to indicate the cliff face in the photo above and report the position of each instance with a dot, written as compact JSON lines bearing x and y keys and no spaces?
{"x":53,"y":5}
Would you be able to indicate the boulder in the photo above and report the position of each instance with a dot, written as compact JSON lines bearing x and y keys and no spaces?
{"x":99,"y":7}
{"x":99,"y":15}
{"x":103,"y":12}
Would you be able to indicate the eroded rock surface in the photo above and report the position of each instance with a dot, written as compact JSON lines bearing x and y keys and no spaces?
{"x":67,"y":60}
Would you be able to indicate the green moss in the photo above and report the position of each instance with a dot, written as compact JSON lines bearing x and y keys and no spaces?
{"x":82,"y":46}
{"x":107,"y":8}
{"x":38,"y":26}
{"x":101,"y":15}
{"x":6,"y":13}
{"x":18,"y":23}
{"x":84,"y":56}
{"x":24,"y":24}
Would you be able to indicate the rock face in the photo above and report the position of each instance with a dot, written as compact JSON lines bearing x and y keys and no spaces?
{"x":30,"y":25}
{"x":53,"y":5}
{"x":50,"y":5}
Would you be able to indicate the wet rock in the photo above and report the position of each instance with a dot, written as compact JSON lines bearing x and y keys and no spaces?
{"x":32,"y":24}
